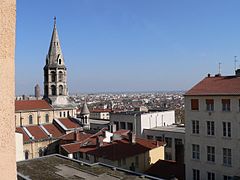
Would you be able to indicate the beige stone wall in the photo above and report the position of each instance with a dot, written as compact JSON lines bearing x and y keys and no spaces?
{"x":7,"y":90}
{"x":39,"y":117}
{"x":33,"y":148}
{"x":19,"y":147}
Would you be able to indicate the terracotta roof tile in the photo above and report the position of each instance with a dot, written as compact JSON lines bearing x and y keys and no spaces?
{"x":25,"y":136}
{"x":221,"y":85}
{"x":52,"y":129}
{"x":22,"y":105}
{"x":69,"y":123}
{"x":37,"y":132}
{"x":112,"y":151}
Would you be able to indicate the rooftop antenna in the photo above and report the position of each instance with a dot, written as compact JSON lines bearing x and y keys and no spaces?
{"x":219,"y":68}
{"x":235,"y":63}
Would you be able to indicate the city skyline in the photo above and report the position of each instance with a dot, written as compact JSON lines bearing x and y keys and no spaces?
{"x":127,"y":46}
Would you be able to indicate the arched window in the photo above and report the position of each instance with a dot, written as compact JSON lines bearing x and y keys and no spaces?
{"x":60,"y":76}
{"x":60,"y":61}
{"x":53,"y":89}
{"x":86,"y":119}
{"x":30,"y":119}
{"x":53,"y":76}
{"x":47,"y":118}
{"x":60,"y":90}
{"x":41,"y":152}
{"x":26,"y":154}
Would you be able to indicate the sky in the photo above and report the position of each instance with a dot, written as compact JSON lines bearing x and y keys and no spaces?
{"x":128,"y":45}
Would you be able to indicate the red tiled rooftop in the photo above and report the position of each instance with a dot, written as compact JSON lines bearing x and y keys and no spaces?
{"x":25,"y":136}
{"x":21,"y":105}
{"x":167,"y":170}
{"x":112,"y":151}
{"x":37,"y":132}
{"x":221,"y":85}
{"x":69,"y":123}
{"x":71,"y":136}
{"x":52,"y":129}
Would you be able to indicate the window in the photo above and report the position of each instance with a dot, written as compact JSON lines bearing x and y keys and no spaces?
{"x":60,"y":90}
{"x":60,"y":113}
{"x":210,"y":176}
{"x":226,"y":129}
{"x":30,"y":119}
{"x":46,"y":118}
{"x":26,"y":154}
{"x":210,"y":128}
{"x":196,"y":174}
{"x":60,"y":61}
{"x":117,"y":125}
{"x":227,"y":177}
{"x":130,"y":126}
{"x":194,"y":104}
{"x":209,"y":104}
{"x":68,"y":113}
{"x":64,"y":114}
{"x":80,"y":154}
{"x":195,"y":151}
{"x":122,"y":125}
{"x":150,"y":137}
{"x":41,"y":152}
{"x":53,"y":89}
{"x":60,"y":76}
{"x":168,"y":156}
{"x":87,"y":157}
{"x":53,"y":76}
{"x":168,"y":141}
{"x":210,"y":153}
{"x":195,"y":127}
{"x":226,"y":104}
{"x":227,"y":157}
{"x":158,"y":138}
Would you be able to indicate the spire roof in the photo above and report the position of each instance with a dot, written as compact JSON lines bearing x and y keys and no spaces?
{"x":55,"y":52}
{"x":85,"y":109}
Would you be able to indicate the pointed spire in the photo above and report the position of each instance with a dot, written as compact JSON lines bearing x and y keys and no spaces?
{"x":55,"y":52}
{"x":85,"y":110}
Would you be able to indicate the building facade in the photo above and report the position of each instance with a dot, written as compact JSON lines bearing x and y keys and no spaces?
{"x":138,"y":121}
{"x":173,"y":136}
{"x":212,"y":145}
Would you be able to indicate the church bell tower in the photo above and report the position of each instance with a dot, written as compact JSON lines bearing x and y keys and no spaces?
{"x":55,"y":73}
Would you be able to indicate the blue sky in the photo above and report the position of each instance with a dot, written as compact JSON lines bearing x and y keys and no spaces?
{"x":128,"y":45}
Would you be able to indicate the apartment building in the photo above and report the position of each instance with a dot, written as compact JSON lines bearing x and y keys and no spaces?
{"x":212,"y":112}
{"x":138,"y":121}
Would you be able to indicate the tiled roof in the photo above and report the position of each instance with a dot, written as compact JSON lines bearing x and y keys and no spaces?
{"x":22,"y":105}
{"x":71,"y":136}
{"x":112,"y":151}
{"x":25,"y":136}
{"x":37,"y":132}
{"x":52,"y":129}
{"x":69,"y":123}
{"x":167,"y":170}
{"x":220,"y":85}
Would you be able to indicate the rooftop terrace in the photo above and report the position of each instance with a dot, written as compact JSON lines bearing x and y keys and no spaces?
{"x":62,"y":168}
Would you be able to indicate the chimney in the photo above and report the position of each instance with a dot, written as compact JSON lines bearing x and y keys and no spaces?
{"x":132,"y":137}
{"x":237,"y":72}
{"x":99,"y":141}
{"x":209,"y":75}
{"x":76,"y":135}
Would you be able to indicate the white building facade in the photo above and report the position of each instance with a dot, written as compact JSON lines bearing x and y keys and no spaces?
{"x":138,"y":121}
{"x":212,"y":113}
